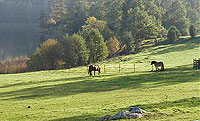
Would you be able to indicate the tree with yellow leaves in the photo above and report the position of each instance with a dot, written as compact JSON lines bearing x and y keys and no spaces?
{"x":113,"y":46}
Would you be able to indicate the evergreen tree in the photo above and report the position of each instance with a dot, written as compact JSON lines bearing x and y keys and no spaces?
{"x":98,"y":9}
{"x":75,"y":51}
{"x":96,"y":44}
{"x":142,"y":26}
{"x":44,"y":27}
{"x":57,"y":20}
{"x":58,"y":11}
{"x":154,"y":8}
{"x":78,"y":12}
{"x":128,"y":40}
{"x":113,"y":15}
{"x":176,"y":15}
{"x":93,"y":23}
{"x":193,"y":15}
{"x":192,"y":31}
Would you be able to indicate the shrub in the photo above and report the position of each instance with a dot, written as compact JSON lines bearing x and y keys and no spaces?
{"x":17,"y":65}
{"x":173,"y":34}
{"x":47,"y":57}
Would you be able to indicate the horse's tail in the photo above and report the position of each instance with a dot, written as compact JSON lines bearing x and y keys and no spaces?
{"x":99,"y":70}
{"x":162,"y":68}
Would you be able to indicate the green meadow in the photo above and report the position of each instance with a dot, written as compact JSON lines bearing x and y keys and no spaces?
{"x":71,"y":95}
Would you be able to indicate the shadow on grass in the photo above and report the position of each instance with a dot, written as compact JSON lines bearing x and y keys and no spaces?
{"x":184,"y":44}
{"x":78,"y":118}
{"x":49,"y":81}
{"x":188,"y":103}
{"x":101,"y":84}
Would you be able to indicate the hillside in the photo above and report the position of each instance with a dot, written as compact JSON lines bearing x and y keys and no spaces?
{"x":72,"y":95}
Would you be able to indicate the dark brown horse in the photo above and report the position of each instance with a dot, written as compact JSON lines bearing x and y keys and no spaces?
{"x":94,"y":68}
{"x":158,"y":64}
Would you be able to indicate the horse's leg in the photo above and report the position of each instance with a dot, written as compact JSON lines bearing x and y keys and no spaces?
{"x":90,"y":73}
{"x":162,"y":68}
{"x":155,"y":67}
{"x":94,"y":72}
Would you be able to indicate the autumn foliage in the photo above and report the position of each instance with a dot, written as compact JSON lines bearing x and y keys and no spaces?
{"x":113,"y":46}
{"x":18,"y":65}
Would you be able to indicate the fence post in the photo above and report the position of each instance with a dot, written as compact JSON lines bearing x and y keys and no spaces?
{"x":119,"y":67}
{"x":196,"y":63}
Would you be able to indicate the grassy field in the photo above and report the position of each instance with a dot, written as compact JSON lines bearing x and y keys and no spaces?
{"x":71,"y":95}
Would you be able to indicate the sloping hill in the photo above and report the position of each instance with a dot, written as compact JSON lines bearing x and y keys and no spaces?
{"x":72,"y":95}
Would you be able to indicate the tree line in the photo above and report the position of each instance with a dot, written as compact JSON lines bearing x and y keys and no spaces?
{"x":79,"y":32}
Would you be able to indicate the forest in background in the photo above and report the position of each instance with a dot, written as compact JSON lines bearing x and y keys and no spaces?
{"x":19,"y":19}
{"x":68,"y":16}
{"x":79,"y":32}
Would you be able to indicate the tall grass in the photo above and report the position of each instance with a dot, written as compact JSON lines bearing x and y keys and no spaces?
{"x":17,"y":65}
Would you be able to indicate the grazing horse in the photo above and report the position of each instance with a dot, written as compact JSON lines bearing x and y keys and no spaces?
{"x":94,"y":68}
{"x":158,"y":64}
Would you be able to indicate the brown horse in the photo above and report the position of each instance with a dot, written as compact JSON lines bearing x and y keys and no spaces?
{"x":158,"y":64}
{"x":94,"y":68}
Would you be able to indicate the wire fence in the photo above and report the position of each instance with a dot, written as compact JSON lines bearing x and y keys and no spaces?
{"x":116,"y":68}
{"x":121,"y":67}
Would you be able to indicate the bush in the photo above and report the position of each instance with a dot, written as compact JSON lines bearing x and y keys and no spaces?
{"x":47,"y":57}
{"x":18,"y":65}
{"x":173,"y":34}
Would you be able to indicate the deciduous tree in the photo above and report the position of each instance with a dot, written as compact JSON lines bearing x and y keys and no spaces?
{"x":113,"y":46}
{"x":76,"y":52}
{"x":96,"y":44}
